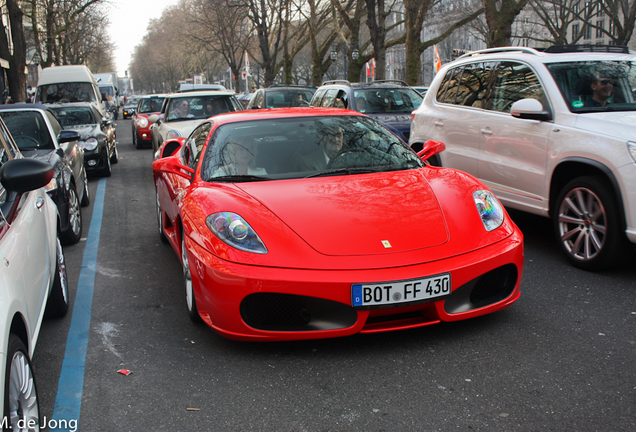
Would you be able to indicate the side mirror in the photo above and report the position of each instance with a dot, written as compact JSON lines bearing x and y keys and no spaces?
{"x":68,"y":136}
{"x":171,"y":165}
{"x":154,"y":118}
{"x":24,"y":175}
{"x":431,"y":148}
{"x":529,"y":109}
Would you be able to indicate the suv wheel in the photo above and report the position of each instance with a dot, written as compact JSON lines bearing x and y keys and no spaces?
{"x":587,"y":224}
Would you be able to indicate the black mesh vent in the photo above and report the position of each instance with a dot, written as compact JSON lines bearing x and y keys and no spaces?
{"x":274,"y":310}
{"x":495,"y":285}
{"x":288,"y":312}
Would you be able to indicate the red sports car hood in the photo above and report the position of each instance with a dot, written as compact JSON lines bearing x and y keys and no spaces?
{"x":358,"y":214}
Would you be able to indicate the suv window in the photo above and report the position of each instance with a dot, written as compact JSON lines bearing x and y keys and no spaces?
{"x":515,"y":81}
{"x":575,"y":81}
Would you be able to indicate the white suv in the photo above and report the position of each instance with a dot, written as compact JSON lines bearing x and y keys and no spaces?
{"x":551,"y":132}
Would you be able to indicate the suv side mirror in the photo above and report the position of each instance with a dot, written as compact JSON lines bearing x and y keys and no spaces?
{"x":529,"y":109}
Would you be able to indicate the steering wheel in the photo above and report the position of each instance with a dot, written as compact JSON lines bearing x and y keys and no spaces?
{"x":26,"y":141}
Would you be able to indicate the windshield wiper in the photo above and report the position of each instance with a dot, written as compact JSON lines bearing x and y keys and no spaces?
{"x":239,"y":178}
{"x":347,"y":171}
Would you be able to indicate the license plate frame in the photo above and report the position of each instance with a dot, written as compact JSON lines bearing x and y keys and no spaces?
{"x":377,"y":295}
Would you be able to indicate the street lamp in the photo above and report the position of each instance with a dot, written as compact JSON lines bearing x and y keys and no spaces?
{"x":355,"y":55}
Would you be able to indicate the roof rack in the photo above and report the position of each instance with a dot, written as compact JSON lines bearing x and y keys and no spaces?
{"x":292,"y":85}
{"x":559,"y":49}
{"x":402,"y":83}
{"x":336,"y":82}
{"x":526,"y":50}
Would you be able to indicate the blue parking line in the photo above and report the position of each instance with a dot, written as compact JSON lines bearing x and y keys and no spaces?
{"x":68,"y":401}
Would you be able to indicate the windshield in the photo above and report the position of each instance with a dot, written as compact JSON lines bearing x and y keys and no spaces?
{"x":66,"y":92}
{"x":28,"y":129}
{"x":595,"y":86}
{"x":73,"y":116}
{"x":197,"y":108}
{"x":386,"y":100}
{"x":151,"y":105}
{"x":303,"y":147}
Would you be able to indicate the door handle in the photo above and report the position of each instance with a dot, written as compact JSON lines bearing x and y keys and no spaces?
{"x":486,"y":131}
{"x":438,"y":123}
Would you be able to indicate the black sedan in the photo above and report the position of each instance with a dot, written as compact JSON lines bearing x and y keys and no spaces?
{"x":129,"y":106}
{"x":98,"y":136}
{"x":39,"y":135}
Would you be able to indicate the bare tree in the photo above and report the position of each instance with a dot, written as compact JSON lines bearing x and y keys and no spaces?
{"x":16,"y":79}
{"x":223,"y":29}
{"x":500,"y":14}
{"x":415,"y":12}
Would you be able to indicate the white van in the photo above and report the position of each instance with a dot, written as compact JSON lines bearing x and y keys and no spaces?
{"x":62,"y":84}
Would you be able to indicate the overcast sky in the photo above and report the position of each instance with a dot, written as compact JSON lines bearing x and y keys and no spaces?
{"x":128,"y":24}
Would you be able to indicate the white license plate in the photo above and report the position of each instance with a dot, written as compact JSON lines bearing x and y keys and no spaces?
{"x":399,"y":292}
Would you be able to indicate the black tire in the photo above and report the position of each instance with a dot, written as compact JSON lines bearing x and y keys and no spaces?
{"x":74,"y":231}
{"x":115,"y":157}
{"x":21,"y":403}
{"x":107,"y":170}
{"x":136,"y":139}
{"x":57,"y":304}
{"x":162,"y":234}
{"x":191,"y":301}
{"x":86,"y":198}
{"x":588,"y":225}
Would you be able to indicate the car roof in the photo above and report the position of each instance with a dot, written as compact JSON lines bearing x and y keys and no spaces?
{"x":281,"y":113}
{"x":158,"y":95}
{"x":23,"y":107}
{"x":370,"y":84}
{"x":595,"y":53}
{"x":192,"y":94}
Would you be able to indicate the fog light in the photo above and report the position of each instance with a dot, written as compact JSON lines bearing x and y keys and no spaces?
{"x":92,"y":163}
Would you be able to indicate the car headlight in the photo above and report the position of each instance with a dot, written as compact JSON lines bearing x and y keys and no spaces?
{"x":90,"y":144}
{"x":173,"y":134}
{"x":631,"y":147}
{"x":142,"y":122}
{"x":233,"y":230}
{"x":489,"y":208}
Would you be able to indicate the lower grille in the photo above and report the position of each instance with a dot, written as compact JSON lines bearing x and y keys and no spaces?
{"x":484,"y":290}
{"x":288,"y":312}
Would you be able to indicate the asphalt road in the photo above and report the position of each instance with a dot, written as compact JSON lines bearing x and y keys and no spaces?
{"x":563,"y":358}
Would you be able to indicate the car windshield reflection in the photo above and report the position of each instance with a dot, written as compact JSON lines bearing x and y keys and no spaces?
{"x":596,"y":86}
{"x":303,"y":147}
{"x":74,"y":116}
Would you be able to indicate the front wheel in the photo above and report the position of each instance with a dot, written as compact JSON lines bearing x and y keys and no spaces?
{"x":57,"y":304}
{"x":115,"y":157}
{"x":191,"y":302}
{"x":588,"y":225}
{"x":162,"y":234}
{"x":74,"y":231}
{"x":86,"y":199}
{"x":107,"y":170}
{"x":21,"y":405}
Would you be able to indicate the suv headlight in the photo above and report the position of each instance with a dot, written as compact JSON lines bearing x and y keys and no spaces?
{"x":489,"y":208}
{"x":631,"y":147}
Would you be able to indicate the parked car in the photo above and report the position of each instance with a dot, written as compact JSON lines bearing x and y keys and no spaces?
{"x":527,"y":123}
{"x":244,"y":98}
{"x":306,"y":223}
{"x":129,"y":107}
{"x":421,"y":90}
{"x":39,"y":135}
{"x":282,"y":96}
{"x":33,"y":278}
{"x":182,"y":112}
{"x":98,"y":135}
{"x":147,"y":106}
{"x":390,"y":102}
